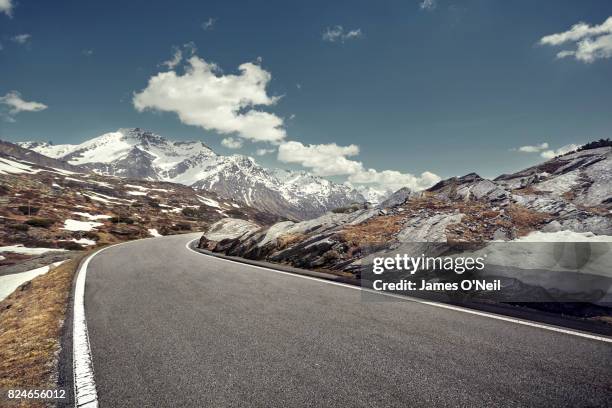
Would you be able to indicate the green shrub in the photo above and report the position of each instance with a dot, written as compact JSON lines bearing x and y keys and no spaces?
{"x":19,"y":227}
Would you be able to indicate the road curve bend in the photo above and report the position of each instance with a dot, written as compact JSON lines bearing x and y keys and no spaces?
{"x":172,"y":327}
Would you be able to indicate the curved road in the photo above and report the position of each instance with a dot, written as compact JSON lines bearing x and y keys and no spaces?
{"x":172,"y":327}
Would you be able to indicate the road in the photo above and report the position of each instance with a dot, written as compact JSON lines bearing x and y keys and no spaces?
{"x":172,"y":327}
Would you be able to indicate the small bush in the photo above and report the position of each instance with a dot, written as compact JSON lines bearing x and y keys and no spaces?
{"x":124,"y":220}
{"x":92,"y":235}
{"x":190,"y":212}
{"x":28,"y":210}
{"x":40,"y":222}
{"x":181,"y":226}
{"x":19,"y":227}
{"x":596,"y":144}
{"x":70,"y":245}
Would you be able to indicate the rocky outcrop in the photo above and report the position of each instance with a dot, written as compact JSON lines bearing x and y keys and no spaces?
{"x":571,"y":192}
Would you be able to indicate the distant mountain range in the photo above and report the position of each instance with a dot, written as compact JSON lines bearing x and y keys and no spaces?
{"x":136,"y":153}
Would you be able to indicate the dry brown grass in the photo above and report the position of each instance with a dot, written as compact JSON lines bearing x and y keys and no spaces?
{"x":374,"y":231}
{"x":524,"y":220}
{"x":31,"y":319}
{"x":287,"y":240}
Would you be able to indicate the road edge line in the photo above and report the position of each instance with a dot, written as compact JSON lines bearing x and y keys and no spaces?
{"x":85,"y":394}
{"x":425,"y":302}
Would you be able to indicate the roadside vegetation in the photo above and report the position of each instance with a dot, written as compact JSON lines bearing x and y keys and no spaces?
{"x":31,"y":321}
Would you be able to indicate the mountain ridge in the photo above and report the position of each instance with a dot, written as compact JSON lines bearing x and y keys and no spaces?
{"x":136,"y":153}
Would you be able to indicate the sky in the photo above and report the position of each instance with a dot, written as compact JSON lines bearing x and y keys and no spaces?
{"x":383,"y":93}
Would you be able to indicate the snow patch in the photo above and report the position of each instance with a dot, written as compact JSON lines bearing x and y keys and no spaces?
{"x":8,"y":283}
{"x":92,"y":217}
{"x":154,"y":233}
{"x":563,"y":236}
{"x":74,"y":225}
{"x":20,"y":249}
{"x":12,"y":167}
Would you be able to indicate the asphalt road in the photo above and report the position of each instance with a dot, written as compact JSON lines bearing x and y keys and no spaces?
{"x":170,"y":327}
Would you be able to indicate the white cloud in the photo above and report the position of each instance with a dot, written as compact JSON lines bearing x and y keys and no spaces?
{"x":338,"y":34}
{"x":232,"y":143}
{"x":88,"y":53}
{"x":209,"y":24}
{"x":532,"y":148}
{"x":331,"y":160}
{"x":21,"y":38}
{"x":6,"y":7}
{"x":204,"y":97}
{"x":428,"y":4}
{"x":323,"y":159}
{"x":394,"y":179}
{"x":16,"y":104}
{"x":545,"y":152}
{"x":549,"y":154}
{"x":176,"y":59}
{"x":592,"y":42}
{"x":263,"y":152}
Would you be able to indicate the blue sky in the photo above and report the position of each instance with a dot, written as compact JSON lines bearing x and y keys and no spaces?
{"x":447,"y":86}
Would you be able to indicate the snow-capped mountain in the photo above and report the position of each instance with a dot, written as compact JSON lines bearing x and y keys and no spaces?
{"x":137,"y":153}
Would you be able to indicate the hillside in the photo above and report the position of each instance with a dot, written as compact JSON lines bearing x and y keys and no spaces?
{"x":569,"y":196}
{"x":46,"y":208}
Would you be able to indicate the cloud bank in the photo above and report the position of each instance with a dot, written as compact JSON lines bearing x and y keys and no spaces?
{"x":331,"y":160}
{"x":591,"y":42}
{"x":204,"y":97}
{"x":6,"y":7}
{"x":545,"y":152}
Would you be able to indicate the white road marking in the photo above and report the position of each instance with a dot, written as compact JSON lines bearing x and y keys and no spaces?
{"x":85,"y":394}
{"x":426,"y":302}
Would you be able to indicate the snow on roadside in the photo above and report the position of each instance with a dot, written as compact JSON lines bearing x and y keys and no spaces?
{"x":154,"y":233}
{"x":74,"y":225}
{"x":8,"y":283}
{"x":563,"y":236}
{"x":20,"y":249}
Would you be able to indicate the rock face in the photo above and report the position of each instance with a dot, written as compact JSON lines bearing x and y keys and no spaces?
{"x":137,"y":153}
{"x":568,"y":193}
